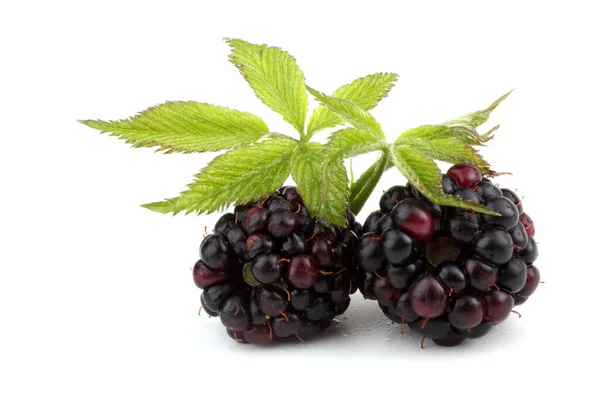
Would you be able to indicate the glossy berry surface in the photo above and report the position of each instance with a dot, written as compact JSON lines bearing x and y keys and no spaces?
{"x":465,"y":175}
{"x":428,"y":297}
{"x":269,"y":272}
{"x":467,"y":312}
{"x":413,"y":217}
{"x":456,"y":278}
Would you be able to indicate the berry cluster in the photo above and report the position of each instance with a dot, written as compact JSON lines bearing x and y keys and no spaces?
{"x":448,"y":273}
{"x":270,"y":272}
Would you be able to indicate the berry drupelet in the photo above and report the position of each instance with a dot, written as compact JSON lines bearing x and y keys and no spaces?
{"x":271,"y":272}
{"x":449,"y":274}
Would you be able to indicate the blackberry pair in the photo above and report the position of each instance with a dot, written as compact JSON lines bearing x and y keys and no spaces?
{"x":270,"y":272}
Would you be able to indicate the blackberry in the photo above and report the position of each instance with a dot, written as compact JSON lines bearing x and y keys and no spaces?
{"x":448,"y":273}
{"x":270,"y":272}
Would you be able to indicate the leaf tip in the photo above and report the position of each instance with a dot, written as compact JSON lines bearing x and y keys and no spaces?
{"x":159,"y":206}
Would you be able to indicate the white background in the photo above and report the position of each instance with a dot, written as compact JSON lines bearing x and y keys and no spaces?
{"x":96,"y":295}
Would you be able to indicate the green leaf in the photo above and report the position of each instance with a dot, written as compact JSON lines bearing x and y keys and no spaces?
{"x":350,"y":113}
{"x":365,"y":92}
{"x":242,"y":175}
{"x":444,"y":144}
{"x":365,"y":184}
{"x":438,"y":132}
{"x":323,"y":185}
{"x":424,"y":174}
{"x":186,"y":127}
{"x":477,"y":118}
{"x":275,"y":78}
{"x":350,"y":142}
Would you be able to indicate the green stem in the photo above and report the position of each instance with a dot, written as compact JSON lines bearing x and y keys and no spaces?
{"x":365,"y":184}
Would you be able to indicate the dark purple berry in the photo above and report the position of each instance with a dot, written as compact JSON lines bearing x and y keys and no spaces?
{"x":404,"y":309}
{"x":435,"y":328}
{"x":224,"y":222}
{"x":437,"y":213}
{"x":282,"y":223}
{"x":514,"y":198}
{"x":391,"y":313}
{"x":413,"y":217}
{"x":452,"y":276}
{"x":215,"y":252}
{"x":259,"y":334}
{"x":495,"y":245}
{"x":467,"y":312}
{"x":498,"y":305}
{"x":205,"y":307}
{"x":463,"y":227}
{"x":528,"y":224}
{"x":257,"y":316}
{"x":468,"y":195}
{"x":365,"y":284}
{"x":398,"y":247}
{"x":270,"y":301}
{"x":512,"y":275}
{"x":268,"y":268}
{"x":428,"y":297}
{"x":233,"y":314}
{"x":215,"y":295}
{"x":450,"y":339}
{"x":531,"y":282}
{"x":482,"y":276}
{"x":279,"y":203}
{"x":305,"y":225}
{"x":402,"y":276}
{"x":255,"y":219}
{"x":309,"y":329}
{"x":320,"y":309}
{"x":291,"y":194}
{"x":370,"y":224}
{"x":340,"y":288}
{"x":205,"y":277}
{"x":384,"y":292}
{"x":302,"y":271}
{"x":258,"y":243}
{"x":448,"y":184}
{"x":478,"y":331}
{"x":301,"y":299}
{"x":341,"y":308}
{"x":237,"y":240}
{"x":293,"y":245}
{"x":488,"y":190}
{"x":530,"y":252}
{"x":465,"y":175}
{"x":322,"y":284}
{"x":393,"y":196}
{"x":384,"y":223}
{"x":369,"y":255}
{"x":519,"y":236}
{"x":286,"y":325}
{"x":518,"y":299}
{"x":322,"y":250}
{"x":509,"y":213}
